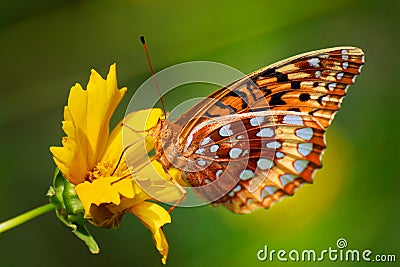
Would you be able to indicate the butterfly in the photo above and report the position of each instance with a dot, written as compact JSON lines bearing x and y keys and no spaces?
{"x":261,"y":137}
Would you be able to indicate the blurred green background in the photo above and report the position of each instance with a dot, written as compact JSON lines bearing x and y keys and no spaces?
{"x":46,"y":46}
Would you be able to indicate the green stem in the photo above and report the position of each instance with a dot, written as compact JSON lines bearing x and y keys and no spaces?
{"x":27,"y":216}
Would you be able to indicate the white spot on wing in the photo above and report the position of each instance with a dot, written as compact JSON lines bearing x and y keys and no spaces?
{"x":287,"y":178}
{"x":300,"y":165}
{"x":218,"y":173}
{"x":205,"y":141}
{"x":235,"y":190}
{"x":293,"y":119}
{"x":274,"y":145}
{"x":235,"y":152}
{"x":345,"y":65}
{"x":257,"y":121}
{"x":324,"y":99}
{"x":268,"y":191}
{"x":201,"y":162}
{"x":246,"y":175}
{"x":317,"y":74}
{"x":314,"y":62}
{"x":226,"y":130}
{"x":305,"y":133}
{"x":265,"y":164}
{"x":200,"y":151}
{"x":214,"y":148}
{"x":305,"y":148}
{"x":249,"y":201}
{"x":279,"y":155}
{"x":188,"y":142}
{"x":331,"y":86}
{"x":339,"y":75}
{"x":345,"y":55}
{"x":265,"y":132}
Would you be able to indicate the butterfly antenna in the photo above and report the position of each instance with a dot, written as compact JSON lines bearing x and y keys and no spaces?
{"x":143,"y":41}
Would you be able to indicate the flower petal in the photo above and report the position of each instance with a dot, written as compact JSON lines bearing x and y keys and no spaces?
{"x":135,"y":133}
{"x":134,"y":128}
{"x":86,"y":123}
{"x":103,"y":96}
{"x":157,"y":183}
{"x":143,"y":119}
{"x":104,"y":190}
{"x":154,"y":217}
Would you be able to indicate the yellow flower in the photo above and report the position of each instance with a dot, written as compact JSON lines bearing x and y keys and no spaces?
{"x":91,"y":158}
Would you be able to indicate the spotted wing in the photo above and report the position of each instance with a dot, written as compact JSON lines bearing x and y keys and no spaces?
{"x":276,"y":118}
{"x":256,"y":158}
{"x":313,"y":83}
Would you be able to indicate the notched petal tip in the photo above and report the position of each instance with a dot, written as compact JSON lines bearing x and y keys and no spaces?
{"x":86,"y":124}
{"x":154,"y":217}
{"x":103,"y":191}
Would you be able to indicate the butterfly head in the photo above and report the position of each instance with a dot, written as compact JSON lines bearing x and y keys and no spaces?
{"x":165,"y":138}
{"x":166,"y":134}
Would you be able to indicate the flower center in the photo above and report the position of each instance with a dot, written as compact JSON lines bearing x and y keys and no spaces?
{"x":102,"y":169}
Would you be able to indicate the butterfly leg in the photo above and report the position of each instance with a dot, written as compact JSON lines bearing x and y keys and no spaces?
{"x":134,"y":130}
{"x":177,"y":202}
{"x":183,"y":191}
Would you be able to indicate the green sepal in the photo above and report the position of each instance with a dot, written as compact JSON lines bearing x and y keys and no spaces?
{"x":69,"y":209}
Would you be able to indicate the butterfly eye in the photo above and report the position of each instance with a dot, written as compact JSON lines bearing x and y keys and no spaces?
{"x":166,"y":134}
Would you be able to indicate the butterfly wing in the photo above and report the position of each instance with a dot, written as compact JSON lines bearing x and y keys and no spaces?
{"x":269,"y":153}
{"x":269,"y":127}
{"x":313,"y":82}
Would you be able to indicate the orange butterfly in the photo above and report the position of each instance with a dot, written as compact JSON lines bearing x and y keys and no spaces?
{"x":259,"y":138}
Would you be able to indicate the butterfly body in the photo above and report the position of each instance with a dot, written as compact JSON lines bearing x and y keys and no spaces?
{"x":261,"y":137}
